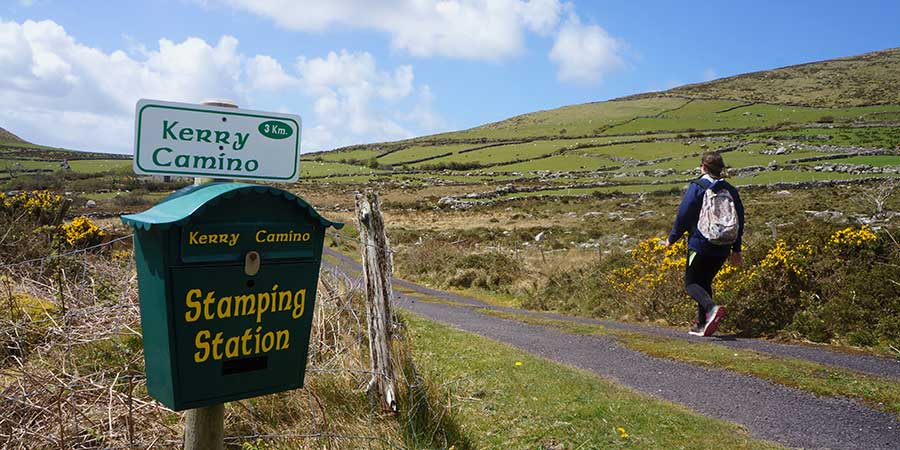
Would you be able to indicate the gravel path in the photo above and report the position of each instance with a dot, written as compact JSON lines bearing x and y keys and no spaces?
{"x":770,"y":411}
{"x":863,"y":363}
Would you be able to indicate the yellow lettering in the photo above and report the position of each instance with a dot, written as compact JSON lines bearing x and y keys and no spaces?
{"x":262,"y":306}
{"x":231,"y":347}
{"x":284,"y":300}
{"x":279,"y":345}
{"x":263,"y":232}
{"x":195,"y":305}
{"x":245,"y":351}
{"x":213,"y":239}
{"x":234,"y":239}
{"x":200,"y":343}
{"x":207,"y":303}
{"x":217,"y":355}
{"x":268,"y":344}
{"x":204,"y":239}
{"x":246,"y":304}
{"x":192,"y":237}
{"x":226,"y":302}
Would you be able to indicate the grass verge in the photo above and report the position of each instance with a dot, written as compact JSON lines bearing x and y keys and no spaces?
{"x":878,"y":392}
{"x":501,"y":397}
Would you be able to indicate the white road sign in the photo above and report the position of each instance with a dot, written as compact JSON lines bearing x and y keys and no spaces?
{"x":184,"y":139}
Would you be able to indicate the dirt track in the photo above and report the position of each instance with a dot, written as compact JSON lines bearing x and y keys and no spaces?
{"x":790,"y":416}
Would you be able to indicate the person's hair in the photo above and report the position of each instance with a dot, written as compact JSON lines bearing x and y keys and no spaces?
{"x":713,"y":162}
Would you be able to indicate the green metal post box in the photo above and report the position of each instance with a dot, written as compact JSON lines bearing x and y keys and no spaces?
{"x":227,"y":274}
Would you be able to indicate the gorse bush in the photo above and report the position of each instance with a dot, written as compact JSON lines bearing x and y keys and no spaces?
{"x":28,"y":221}
{"x":815,"y":282}
{"x":37,"y":207}
{"x":81,"y":232}
{"x":33,"y":228}
{"x":839,"y":286}
{"x":653,"y":281}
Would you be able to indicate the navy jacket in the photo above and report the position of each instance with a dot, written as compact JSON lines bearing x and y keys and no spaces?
{"x":689,"y":214}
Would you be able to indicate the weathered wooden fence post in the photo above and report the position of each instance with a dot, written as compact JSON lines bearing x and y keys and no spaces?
{"x":377,"y":269}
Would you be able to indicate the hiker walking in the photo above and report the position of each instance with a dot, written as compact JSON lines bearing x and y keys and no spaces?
{"x":712,"y":212}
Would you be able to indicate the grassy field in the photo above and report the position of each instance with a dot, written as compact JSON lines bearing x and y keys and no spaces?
{"x":558,"y":163}
{"x":704,"y":115}
{"x":399,"y":158}
{"x":865,"y":79}
{"x":345,"y":155}
{"x":100,"y":165}
{"x":500,"y":398}
{"x":576,"y":120}
{"x":321,"y":169}
{"x":653,"y":150}
{"x":7,"y":165}
{"x":500,"y":154}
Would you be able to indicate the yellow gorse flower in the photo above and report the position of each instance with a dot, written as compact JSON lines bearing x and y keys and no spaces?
{"x":852,"y":238}
{"x":782,"y":256}
{"x":82,"y":231}
{"x":33,"y":203}
{"x":652,"y":261}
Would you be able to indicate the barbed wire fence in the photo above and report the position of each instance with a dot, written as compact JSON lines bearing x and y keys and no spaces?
{"x":71,"y":363}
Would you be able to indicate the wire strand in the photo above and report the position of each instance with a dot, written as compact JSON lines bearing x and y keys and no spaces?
{"x":61,"y":255}
{"x":344,"y":236}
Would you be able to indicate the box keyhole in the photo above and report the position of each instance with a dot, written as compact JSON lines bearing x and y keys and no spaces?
{"x":251,"y":263}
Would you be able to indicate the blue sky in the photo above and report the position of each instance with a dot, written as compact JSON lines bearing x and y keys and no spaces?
{"x":361,"y":71}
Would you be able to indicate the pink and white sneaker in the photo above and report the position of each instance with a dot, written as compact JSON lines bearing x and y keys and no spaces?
{"x":713,"y":318}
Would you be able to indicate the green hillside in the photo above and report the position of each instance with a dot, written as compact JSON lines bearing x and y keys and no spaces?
{"x":867,"y":79}
{"x":7,"y":137}
{"x":822,"y":121}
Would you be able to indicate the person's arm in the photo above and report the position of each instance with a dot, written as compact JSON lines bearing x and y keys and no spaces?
{"x":688,"y":211}
{"x":736,"y":258}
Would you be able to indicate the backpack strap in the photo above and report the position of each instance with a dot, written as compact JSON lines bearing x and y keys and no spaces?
{"x":705,"y":184}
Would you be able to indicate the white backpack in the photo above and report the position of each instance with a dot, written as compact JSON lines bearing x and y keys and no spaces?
{"x":718,"y":216}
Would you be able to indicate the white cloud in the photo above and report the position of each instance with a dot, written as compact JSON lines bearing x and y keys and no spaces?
{"x":265,"y":73}
{"x":468,"y":29}
{"x":541,"y":16}
{"x":584,"y":53}
{"x":346,"y":86}
{"x":88,"y":95}
{"x":424,"y":114}
{"x":488,"y":30}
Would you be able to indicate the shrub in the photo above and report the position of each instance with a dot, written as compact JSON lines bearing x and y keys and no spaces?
{"x":816,"y":283}
{"x":81,"y":232}
{"x":29,"y":222}
{"x":653,"y":281}
{"x":448,"y":266}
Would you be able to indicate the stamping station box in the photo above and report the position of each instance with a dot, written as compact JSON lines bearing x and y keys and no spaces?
{"x":227,"y":275}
